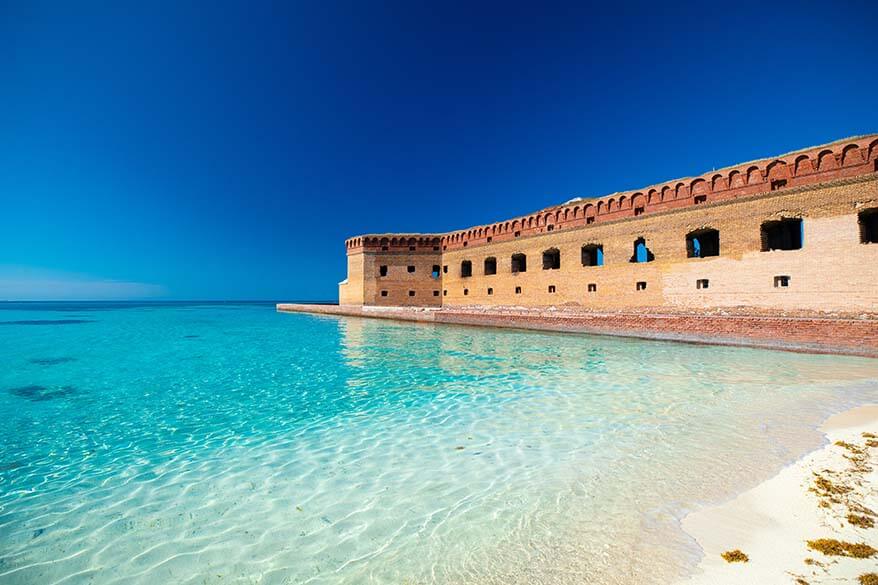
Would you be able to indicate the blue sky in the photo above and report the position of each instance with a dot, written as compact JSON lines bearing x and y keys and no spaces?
{"x":224,"y":150}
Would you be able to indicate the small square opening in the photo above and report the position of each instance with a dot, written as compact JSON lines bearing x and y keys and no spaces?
{"x":411,"y":293}
{"x":551,"y":288}
{"x":435,"y":293}
{"x":384,"y":293}
{"x":639,"y":211}
{"x":490,"y":291}
{"x":700,"y":199}
{"x":589,"y":220}
{"x":868,"y":220}
{"x":702,"y":283}
{"x":592,"y":288}
{"x":778,"y":184}
{"x":382,"y":271}
{"x":781,"y":281}
{"x":641,"y":285}
{"x":385,"y":248}
{"x":490,"y":239}
{"x":518,"y":290}
{"x":550,"y":228}
{"x":465,"y":292}
{"x":445,"y":293}
{"x":411,"y":269}
{"x":517,"y":234}
{"x":411,"y":248}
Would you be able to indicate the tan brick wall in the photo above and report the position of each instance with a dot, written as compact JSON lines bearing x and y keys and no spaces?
{"x":832,"y":271}
{"x":399,"y":282}
{"x":826,"y":186}
{"x":350,"y":290}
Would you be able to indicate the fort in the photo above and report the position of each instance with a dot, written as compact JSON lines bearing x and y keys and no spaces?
{"x":783,"y":249}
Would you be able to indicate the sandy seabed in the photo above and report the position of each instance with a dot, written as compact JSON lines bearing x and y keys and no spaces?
{"x":831,"y":493}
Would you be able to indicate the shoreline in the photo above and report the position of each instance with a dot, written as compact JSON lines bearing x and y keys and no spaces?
{"x":804,"y":333}
{"x":830,"y":493}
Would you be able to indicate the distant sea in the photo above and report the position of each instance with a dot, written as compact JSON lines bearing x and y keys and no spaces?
{"x":223,"y":442}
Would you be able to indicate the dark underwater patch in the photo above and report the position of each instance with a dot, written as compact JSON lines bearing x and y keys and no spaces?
{"x":47,"y":322}
{"x":51,"y":361}
{"x":191,"y":336}
{"x":36,"y":393}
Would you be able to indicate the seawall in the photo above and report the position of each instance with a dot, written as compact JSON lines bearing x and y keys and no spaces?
{"x":848,"y":335}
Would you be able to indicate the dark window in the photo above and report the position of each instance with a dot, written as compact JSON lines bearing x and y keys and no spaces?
{"x":702,"y":283}
{"x":435,"y":272}
{"x":519,"y":263}
{"x":384,"y":293}
{"x":868,"y":219}
{"x":592,"y":288}
{"x":466,"y":268}
{"x":490,"y":239}
{"x":435,"y":248}
{"x":641,"y":252}
{"x":639,"y":210}
{"x":490,"y":266}
{"x":641,"y":285}
{"x":445,"y":293}
{"x":593,"y":255}
{"x":516,"y":234}
{"x":411,"y":248}
{"x":465,"y":244}
{"x":382,"y":271}
{"x":551,"y":259}
{"x":518,"y":290}
{"x":784,"y":234}
{"x":551,"y":288}
{"x":781,"y":281}
{"x":490,"y":291}
{"x":411,"y":293}
{"x":435,"y":293}
{"x":550,"y":228}
{"x":411,"y":268}
{"x":702,"y":243}
{"x":465,"y":292}
{"x":700,"y":199}
{"x":384,"y":248}
{"x":589,"y":220}
{"x":778,"y":184}
{"x":445,"y":269}
{"x":445,"y":247}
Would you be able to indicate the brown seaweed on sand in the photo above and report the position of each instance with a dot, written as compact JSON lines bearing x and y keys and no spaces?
{"x":840,"y":548}
{"x":735,"y":556}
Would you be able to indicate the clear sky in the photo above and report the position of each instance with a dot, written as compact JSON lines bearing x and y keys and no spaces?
{"x":214,"y":150}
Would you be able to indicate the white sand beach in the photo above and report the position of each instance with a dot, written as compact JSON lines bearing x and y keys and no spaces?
{"x":822,"y":496}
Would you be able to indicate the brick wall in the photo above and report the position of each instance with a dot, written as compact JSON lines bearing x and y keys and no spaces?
{"x":826,"y":187}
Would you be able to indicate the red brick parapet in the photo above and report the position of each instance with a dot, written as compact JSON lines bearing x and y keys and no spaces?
{"x":813,"y":334}
{"x":847,"y":158}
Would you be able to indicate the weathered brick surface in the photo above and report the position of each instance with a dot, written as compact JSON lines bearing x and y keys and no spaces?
{"x":825,"y":186}
{"x":812,"y":334}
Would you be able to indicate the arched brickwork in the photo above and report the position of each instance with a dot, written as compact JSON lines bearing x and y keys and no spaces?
{"x":840,"y":159}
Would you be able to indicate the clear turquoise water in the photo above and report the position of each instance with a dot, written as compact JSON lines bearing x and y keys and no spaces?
{"x":232,"y":444}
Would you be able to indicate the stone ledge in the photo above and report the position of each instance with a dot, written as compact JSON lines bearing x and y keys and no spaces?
{"x":810,"y":334}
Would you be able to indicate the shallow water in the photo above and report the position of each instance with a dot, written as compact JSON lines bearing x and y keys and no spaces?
{"x":232,"y":444}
